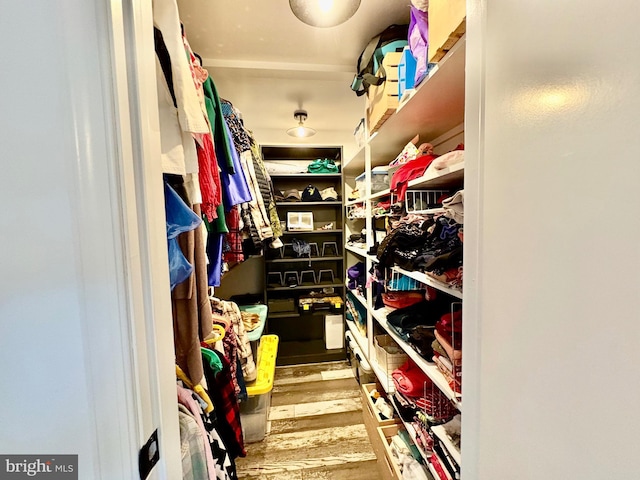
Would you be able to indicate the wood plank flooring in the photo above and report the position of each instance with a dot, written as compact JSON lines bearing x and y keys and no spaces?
{"x":315,"y":429}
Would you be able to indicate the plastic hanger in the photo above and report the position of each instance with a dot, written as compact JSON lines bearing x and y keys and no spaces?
{"x":217,"y":333}
{"x":198,"y":389}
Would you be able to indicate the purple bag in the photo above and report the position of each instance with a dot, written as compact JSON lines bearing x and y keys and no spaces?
{"x":354,"y":273}
{"x":419,"y":42}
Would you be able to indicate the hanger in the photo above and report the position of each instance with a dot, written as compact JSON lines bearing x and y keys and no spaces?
{"x":198,"y":389}
{"x":214,"y":361}
{"x":217,"y":333}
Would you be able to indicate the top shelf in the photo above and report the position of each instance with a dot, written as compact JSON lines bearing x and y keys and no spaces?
{"x":436,"y":107}
{"x":305,"y":176}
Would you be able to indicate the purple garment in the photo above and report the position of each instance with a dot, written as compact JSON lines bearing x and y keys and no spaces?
{"x":419,"y":42}
{"x":235,"y":189}
{"x":214,"y":252}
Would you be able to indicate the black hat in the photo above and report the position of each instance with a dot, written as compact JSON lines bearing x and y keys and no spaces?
{"x":311,"y":194}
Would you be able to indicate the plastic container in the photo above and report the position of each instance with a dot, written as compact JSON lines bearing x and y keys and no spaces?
{"x":379,"y":180}
{"x":406,"y":72}
{"x":261,"y":311}
{"x":254,"y":413}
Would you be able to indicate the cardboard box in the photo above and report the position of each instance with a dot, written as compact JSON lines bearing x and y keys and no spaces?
{"x":383,"y":99}
{"x":447,"y":24}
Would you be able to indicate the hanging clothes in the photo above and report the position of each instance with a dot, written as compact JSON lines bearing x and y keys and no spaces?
{"x":193,"y":447}
{"x":235,"y":190}
{"x":233,"y":239}
{"x":224,"y":398}
{"x":257,"y":181}
{"x":180,"y":219}
{"x":220,"y":465}
{"x":269,"y":198}
{"x":167,"y":21}
{"x":231,"y":311}
{"x":192,"y":318}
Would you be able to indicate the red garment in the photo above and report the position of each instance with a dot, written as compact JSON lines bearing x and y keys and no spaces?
{"x":435,"y":462}
{"x":402,"y":299}
{"x":409,"y":171}
{"x":223,"y":395}
{"x":209,"y":178}
{"x":234,"y":237}
{"x":410,"y":380}
{"x":450,"y":327}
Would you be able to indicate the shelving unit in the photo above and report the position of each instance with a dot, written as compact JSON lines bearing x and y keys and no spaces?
{"x":303,"y":259}
{"x":436,"y":113}
{"x":303,"y":333}
{"x":427,"y":280}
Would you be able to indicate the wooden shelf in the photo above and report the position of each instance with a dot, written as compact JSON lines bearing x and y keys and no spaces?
{"x":436,"y":107}
{"x":310,"y":351}
{"x":305,"y":176}
{"x":382,"y":193}
{"x":302,"y":232}
{"x":361,"y":252}
{"x":304,"y":259}
{"x":448,"y":177}
{"x":336,"y":284}
{"x":428,"y":368}
{"x":283,"y":315}
{"x":331,"y":203}
{"x":355,"y":165}
{"x":360,"y":298}
{"x":454,"y":451}
{"x":427,"y":280}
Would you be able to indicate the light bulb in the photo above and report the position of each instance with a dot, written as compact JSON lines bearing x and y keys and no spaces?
{"x":300,"y":131}
{"x":325,"y":5}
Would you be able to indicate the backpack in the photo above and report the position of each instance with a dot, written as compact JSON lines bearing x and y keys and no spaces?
{"x":391,"y":39}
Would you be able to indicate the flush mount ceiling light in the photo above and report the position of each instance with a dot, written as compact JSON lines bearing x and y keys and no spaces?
{"x":301,"y":131}
{"x":324,"y":13}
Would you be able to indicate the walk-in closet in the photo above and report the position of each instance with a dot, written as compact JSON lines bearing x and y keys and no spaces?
{"x":255,"y":240}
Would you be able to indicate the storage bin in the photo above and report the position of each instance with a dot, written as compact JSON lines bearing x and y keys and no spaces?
{"x":299,"y":221}
{"x":383,"y":99}
{"x":385,"y":346}
{"x":406,"y":72}
{"x":333,"y":332}
{"x":446,"y":26}
{"x":254,"y":412}
{"x":361,"y":368}
{"x":387,"y":464}
{"x":281,"y":305}
{"x":372,"y":419}
{"x":379,"y":180}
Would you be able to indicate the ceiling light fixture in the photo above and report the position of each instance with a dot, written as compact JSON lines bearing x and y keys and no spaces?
{"x":324,"y":13}
{"x":301,"y":131}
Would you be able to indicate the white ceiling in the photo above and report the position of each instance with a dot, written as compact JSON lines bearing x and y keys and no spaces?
{"x":268,"y":63}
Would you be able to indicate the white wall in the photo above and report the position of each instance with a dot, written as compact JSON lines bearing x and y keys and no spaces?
{"x":73,"y":380}
{"x":552,"y":264}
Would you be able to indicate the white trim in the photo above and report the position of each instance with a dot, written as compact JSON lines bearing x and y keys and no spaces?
{"x":276,"y":66}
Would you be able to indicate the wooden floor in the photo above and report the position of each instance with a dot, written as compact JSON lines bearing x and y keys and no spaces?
{"x":315,"y":428}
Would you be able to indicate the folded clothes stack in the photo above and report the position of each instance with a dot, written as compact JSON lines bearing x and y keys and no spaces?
{"x":429,"y":244}
{"x":447,"y":348}
{"x":415,"y":324}
{"x":418,"y":389}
